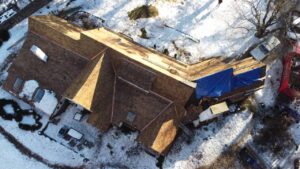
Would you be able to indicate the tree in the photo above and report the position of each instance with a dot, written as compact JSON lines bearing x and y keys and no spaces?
{"x":264,"y":16}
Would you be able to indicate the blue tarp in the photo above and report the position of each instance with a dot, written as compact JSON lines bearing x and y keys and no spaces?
{"x":214,"y":85}
{"x":220,"y":83}
{"x":247,"y":78}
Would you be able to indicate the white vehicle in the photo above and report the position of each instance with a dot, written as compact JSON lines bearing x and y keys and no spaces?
{"x":262,"y":50}
{"x":212,"y":112}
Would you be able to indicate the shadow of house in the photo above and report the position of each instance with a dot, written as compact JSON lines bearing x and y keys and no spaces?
{"x":117,"y":80}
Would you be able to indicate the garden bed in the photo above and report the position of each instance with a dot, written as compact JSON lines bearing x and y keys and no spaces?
{"x":27,"y":119}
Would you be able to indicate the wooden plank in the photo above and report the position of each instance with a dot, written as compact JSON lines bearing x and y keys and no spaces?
{"x":193,"y":70}
{"x":246,"y":69}
{"x":245,"y":64}
{"x":209,"y":71}
{"x":203,"y":63}
{"x":237,"y":62}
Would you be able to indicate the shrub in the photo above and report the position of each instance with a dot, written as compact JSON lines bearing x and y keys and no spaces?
{"x":145,"y":11}
{"x":4,"y":35}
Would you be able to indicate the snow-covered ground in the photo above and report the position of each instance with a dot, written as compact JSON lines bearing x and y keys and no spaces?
{"x":268,"y":94}
{"x":50,"y":150}
{"x":191,"y":30}
{"x":48,"y":103}
{"x":13,"y":159}
{"x":4,"y":4}
{"x":28,"y":89}
{"x":119,"y":150}
{"x":209,"y":142}
{"x":198,"y":29}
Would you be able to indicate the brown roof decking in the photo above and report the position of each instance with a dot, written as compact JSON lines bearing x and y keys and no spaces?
{"x":160,"y":134}
{"x":129,"y":98}
{"x":57,"y":74}
{"x":83,"y":89}
{"x":65,"y":34}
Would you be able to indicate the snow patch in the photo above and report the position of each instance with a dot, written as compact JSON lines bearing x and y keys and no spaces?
{"x":268,"y":94}
{"x":48,"y":103}
{"x":29,"y":88}
{"x":9,"y":109}
{"x":295,"y":132}
{"x":28,"y":120}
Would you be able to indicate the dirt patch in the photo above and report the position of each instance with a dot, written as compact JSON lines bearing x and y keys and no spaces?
{"x":275,"y":133}
{"x":228,"y":160}
{"x":145,"y":11}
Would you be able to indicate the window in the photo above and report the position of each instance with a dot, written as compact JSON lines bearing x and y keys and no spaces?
{"x":39,"y":53}
{"x":38,"y":95}
{"x":264,"y":49}
{"x":18,"y":83}
{"x":130,"y":117}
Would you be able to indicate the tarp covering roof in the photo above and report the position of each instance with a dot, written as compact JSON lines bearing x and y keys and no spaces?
{"x":223,"y":82}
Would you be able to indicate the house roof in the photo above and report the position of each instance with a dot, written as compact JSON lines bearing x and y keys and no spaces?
{"x":111,"y":76}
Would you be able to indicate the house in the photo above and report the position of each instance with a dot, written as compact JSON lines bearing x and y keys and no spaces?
{"x":120,"y":82}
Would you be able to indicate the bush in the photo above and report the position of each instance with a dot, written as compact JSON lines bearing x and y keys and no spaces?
{"x":145,"y":11}
{"x":4,"y":35}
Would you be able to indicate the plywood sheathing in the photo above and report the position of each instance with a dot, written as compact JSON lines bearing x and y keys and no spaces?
{"x":83,"y":89}
{"x":137,"y":53}
{"x":93,"y":89}
{"x":129,"y":71}
{"x":65,"y":34}
{"x":164,"y":85}
{"x":145,"y":105}
{"x":160,"y":134}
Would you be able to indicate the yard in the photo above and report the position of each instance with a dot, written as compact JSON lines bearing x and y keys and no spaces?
{"x":188,"y":31}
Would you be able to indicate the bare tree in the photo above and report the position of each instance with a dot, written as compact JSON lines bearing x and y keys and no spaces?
{"x":264,"y":16}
